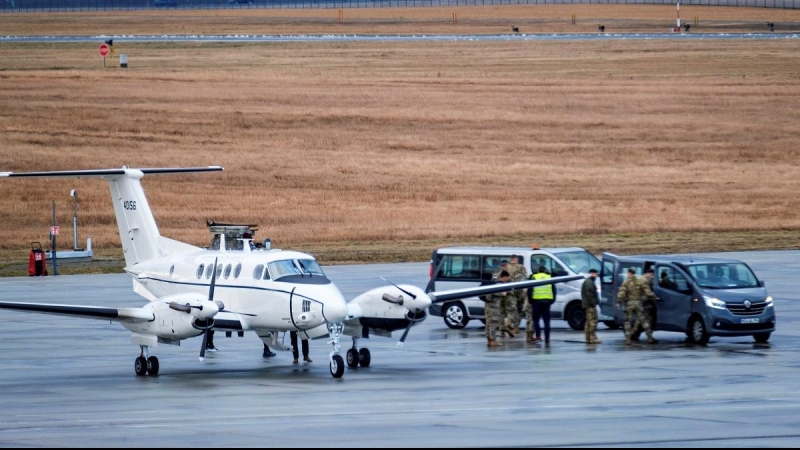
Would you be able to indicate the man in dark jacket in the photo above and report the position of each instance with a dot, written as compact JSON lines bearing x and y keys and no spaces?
{"x":590,"y":302}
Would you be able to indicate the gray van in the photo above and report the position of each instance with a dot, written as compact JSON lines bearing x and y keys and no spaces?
{"x":701,"y":297}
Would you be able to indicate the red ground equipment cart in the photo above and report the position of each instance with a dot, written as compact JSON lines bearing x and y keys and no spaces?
{"x":37,"y":264}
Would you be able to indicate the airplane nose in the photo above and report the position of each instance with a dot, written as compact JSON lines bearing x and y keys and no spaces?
{"x":335,"y":309}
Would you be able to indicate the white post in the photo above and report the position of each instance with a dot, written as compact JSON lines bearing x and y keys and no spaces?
{"x":679,"y":13}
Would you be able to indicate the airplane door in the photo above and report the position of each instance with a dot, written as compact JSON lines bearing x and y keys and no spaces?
{"x":614,"y":272}
{"x":674,"y":305}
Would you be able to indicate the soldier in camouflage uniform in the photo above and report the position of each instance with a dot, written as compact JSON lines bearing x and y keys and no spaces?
{"x":517,"y":301}
{"x":632,"y":294}
{"x":493,"y":315}
{"x":504,"y":309}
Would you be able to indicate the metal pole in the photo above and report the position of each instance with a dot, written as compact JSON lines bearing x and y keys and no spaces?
{"x":53,"y":243}
{"x":74,"y":195}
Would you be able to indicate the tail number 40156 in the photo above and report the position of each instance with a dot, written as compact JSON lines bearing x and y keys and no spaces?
{"x":129,"y":205}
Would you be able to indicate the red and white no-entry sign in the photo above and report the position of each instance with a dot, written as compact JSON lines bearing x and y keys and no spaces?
{"x":103,"y":50}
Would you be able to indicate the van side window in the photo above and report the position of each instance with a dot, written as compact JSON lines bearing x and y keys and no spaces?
{"x":672,"y":280}
{"x":491,"y":264}
{"x":460,"y":267}
{"x":550,"y":265}
{"x":622,"y":275}
{"x":608,"y":272}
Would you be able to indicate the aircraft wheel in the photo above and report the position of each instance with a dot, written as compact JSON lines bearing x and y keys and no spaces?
{"x":365,"y":357}
{"x":152,"y":366}
{"x":352,"y":358}
{"x":140,"y":366}
{"x":337,"y":366}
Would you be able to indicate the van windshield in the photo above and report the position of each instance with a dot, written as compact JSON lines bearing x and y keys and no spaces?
{"x":723,"y":276}
{"x":580,"y":261}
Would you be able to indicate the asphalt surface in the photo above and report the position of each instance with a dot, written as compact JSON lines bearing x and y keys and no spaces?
{"x":69,"y":382}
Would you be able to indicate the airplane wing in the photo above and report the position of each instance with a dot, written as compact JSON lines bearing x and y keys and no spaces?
{"x":457,"y":294}
{"x":130,"y":315}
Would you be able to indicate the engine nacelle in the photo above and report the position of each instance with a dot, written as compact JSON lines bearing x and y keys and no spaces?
{"x":396,"y":303}
{"x":175,"y":324}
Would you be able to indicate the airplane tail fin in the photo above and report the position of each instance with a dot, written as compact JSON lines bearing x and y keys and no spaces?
{"x":138,"y":231}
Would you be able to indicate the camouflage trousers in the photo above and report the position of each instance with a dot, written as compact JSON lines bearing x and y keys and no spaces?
{"x":493,"y":317}
{"x":635,"y":310}
{"x":510,"y":310}
{"x":590,"y":329}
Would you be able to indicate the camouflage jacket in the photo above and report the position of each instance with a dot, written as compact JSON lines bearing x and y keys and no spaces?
{"x":636,"y":289}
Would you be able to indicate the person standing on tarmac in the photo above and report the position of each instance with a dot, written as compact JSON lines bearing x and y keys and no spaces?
{"x":542,"y":298}
{"x":493,"y":315}
{"x":590,"y":302}
{"x":507,"y":305}
{"x":517,"y":298}
{"x":295,"y":352}
{"x":631,"y":295}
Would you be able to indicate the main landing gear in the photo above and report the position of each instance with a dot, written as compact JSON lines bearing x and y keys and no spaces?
{"x":146,"y":365}
{"x":356,"y":357}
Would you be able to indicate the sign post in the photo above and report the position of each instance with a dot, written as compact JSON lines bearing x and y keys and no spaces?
{"x":104,"y":51}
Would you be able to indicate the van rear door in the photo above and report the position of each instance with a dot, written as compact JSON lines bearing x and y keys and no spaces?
{"x":613,"y":274}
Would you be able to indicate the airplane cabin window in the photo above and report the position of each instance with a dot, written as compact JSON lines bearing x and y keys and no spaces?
{"x":228,"y":270}
{"x":237,"y":271}
{"x":258,"y":271}
{"x":209,"y":271}
{"x":171,"y":271}
{"x":200,"y":271}
{"x":219,"y":270}
{"x":266,"y":274}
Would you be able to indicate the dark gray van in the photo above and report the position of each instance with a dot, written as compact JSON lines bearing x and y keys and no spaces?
{"x":701,"y":297}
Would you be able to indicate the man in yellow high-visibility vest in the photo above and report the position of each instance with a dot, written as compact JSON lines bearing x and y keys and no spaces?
{"x":541,"y":299}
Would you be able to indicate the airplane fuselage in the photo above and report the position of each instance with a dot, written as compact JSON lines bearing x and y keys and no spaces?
{"x":273,"y":290}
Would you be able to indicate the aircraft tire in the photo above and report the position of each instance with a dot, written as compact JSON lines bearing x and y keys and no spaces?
{"x":337,"y":366}
{"x":140,"y":366}
{"x":152,"y":366}
{"x":365,"y":357}
{"x":353,"y":358}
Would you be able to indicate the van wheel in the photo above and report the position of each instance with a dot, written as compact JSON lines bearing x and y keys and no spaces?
{"x":576,"y":316}
{"x":697,"y":331}
{"x":611,"y":324}
{"x":762,"y":338}
{"x":455,"y":316}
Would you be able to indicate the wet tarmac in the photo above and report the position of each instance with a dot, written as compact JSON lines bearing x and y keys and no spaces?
{"x":70,"y":382}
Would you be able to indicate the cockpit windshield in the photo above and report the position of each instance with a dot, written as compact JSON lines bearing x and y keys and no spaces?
{"x":310,"y":266}
{"x":300,"y":268}
{"x":723,"y":276}
{"x":285,"y":268}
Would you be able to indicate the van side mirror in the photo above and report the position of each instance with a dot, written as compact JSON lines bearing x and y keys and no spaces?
{"x":762,"y":283}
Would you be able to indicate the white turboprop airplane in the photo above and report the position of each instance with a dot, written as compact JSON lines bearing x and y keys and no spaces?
{"x":193,"y":290}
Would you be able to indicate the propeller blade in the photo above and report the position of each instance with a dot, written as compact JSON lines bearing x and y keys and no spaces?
{"x":182,"y":308}
{"x":401,"y":289}
{"x":213,"y":282}
{"x":203,"y":347}
{"x":405,"y":334}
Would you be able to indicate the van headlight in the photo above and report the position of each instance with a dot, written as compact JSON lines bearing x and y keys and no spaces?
{"x":713,"y":302}
{"x":770,"y":301}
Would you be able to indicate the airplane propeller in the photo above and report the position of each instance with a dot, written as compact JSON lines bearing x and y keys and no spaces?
{"x":211,"y":299}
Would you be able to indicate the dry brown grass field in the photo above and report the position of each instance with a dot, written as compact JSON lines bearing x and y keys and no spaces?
{"x":434,"y":20}
{"x":383,"y":151}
